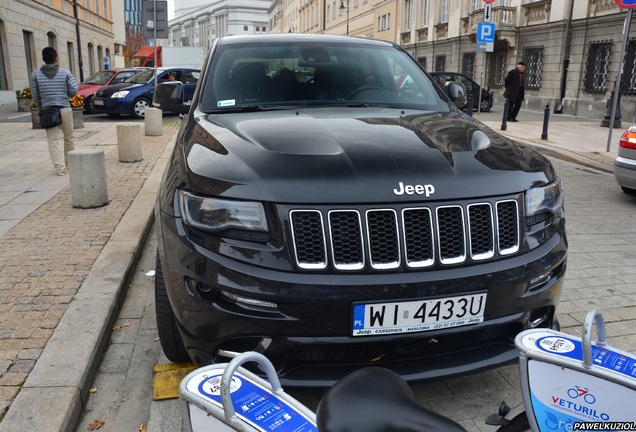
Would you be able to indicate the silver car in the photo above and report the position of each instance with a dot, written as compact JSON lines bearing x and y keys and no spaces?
{"x":625,"y":162}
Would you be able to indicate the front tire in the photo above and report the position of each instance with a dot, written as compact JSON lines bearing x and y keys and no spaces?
{"x":628,"y":190}
{"x":88,"y":105}
{"x":169,"y":335}
{"x":518,"y":424}
{"x":139,"y":107}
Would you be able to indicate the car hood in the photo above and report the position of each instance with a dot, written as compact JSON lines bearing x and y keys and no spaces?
{"x":108,"y":90}
{"x":361,"y":155}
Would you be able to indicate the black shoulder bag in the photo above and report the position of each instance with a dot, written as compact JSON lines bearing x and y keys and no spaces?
{"x":50,"y":117}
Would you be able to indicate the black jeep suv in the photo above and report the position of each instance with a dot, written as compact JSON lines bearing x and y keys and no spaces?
{"x":314,"y":212}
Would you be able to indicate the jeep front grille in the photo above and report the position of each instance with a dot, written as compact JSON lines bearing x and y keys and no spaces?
{"x":414,"y":237}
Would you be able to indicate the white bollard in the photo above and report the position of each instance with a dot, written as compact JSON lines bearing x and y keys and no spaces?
{"x":129,"y":142}
{"x":87,"y":175}
{"x":153,"y":121}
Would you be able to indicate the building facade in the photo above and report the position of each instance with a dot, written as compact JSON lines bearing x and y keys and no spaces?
{"x":572,"y":47}
{"x":200,"y":27}
{"x":27,"y":26}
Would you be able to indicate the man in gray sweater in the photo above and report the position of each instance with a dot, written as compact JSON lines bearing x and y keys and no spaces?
{"x":51,"y":86}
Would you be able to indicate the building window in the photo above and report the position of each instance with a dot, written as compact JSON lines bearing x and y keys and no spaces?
{"x":51,"y":40}
{"x":468,"y":64}
{"x":384,"y":22}
{"x":4,"y":83}
{"x":497,"y":69}
{"x":443,"y":12}
{"x":244,"y":28}
{"x":328,"y":14}
{"x":422,"y":61}
{"x":424,"y":14}
{"x":474,"y":5}
{"x":407,"y":14}
{"x":533,"y":58}
{"x":440,"y":63}
{"x":71,"y":56}
{"x":91,"y":59}
{"x":629,"y":69}
{"x":29,"y":51}
{"x":597,"y":67}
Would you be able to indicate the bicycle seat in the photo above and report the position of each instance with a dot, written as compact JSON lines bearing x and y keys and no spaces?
{"x":377,"y":400}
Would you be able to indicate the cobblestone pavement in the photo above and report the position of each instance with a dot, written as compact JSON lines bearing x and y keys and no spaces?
{"x":45,"y":258}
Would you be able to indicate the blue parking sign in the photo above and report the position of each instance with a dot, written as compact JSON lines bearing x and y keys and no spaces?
{"x":485,"y":32}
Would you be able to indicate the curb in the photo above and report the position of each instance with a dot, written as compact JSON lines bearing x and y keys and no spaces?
{"x":53,"y":395}
{"x":565,"y":155}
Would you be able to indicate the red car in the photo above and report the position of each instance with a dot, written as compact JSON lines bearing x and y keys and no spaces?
{"x":99,"y":79}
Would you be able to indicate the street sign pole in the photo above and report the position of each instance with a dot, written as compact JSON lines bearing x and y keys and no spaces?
{"x":487,"y":18}
{"x":617,"y":85}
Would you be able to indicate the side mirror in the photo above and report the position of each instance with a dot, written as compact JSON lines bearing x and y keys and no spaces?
{"x":168,"y":96}
{"x":457,"y":93}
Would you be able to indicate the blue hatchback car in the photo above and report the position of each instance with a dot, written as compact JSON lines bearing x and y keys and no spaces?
{"x":134,"y":95}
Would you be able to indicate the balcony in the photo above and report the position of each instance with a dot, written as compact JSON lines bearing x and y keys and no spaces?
{"x":537,"y":13}
{"x":504,"y":17}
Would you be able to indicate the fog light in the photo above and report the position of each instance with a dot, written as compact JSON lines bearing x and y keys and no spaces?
{"x":538,"y":317}
{"x":249,"y":301}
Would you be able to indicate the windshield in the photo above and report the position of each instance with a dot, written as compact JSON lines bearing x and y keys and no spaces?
{"x":142,"y":77}
{"x":100,"y":78}
{"x":321,"y":73}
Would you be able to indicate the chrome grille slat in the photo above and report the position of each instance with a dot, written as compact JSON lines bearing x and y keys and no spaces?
{"x":481,"y":231}
{"x":347,"y":250}
{"x":451,"y":236}
{"x":376,"y":238}
{"x":508,"y":227}
{"x":417,"y":226}
{"x":383,"y":239}
{"x":308,"y":235}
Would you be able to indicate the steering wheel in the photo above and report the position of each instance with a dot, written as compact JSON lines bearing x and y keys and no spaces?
{"x":363,"y":89}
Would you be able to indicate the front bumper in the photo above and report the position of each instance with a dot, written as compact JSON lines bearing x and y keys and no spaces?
{"x":308,"y":336}
{"x":111,"y":106}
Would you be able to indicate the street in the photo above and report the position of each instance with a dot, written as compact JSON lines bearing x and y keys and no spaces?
{"x":601,"y":274}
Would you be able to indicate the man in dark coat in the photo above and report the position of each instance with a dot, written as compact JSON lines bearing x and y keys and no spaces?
{"x":515,"y":90}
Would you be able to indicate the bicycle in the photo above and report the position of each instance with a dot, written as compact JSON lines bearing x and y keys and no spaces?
{"x":586,"y":382}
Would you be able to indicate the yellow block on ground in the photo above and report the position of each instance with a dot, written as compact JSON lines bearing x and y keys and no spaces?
{"x":165,"y":383}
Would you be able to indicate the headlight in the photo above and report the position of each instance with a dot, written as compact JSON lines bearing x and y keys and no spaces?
{"x":544,"y":199}
{"x":213,"y":214}
{"x":120,"y":94}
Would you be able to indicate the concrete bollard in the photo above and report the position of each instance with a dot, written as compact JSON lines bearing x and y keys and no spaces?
{"x":153,"y":121}
{"x":129,"y":142}
{"x":87,"y":175}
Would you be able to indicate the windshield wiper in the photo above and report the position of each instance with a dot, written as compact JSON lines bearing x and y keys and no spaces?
{"x":252,"y":108}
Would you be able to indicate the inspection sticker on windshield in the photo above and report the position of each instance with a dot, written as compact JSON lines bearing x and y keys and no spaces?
{"x":417,"y":316}
{"x":226,"y":103}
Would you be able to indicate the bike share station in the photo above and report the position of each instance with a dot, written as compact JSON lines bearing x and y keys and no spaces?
{"x":226,"y":397}
{"x":567,"y":380}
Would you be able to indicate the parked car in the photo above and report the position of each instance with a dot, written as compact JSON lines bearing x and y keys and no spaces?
{"x":134,"y":95}
{"x":471,"y":86}
{"x":315,"y":213}
{"x":625,"y":162}
{"x":105,"y":77}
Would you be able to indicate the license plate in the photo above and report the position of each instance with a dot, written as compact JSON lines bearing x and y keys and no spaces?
{"x":417,"y":316}
{"x":98,"y":103}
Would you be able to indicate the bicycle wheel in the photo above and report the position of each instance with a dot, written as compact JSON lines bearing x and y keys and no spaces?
{"x":518,"y":424}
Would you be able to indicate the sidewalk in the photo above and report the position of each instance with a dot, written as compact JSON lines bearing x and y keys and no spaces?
{"x":63,"y":271}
